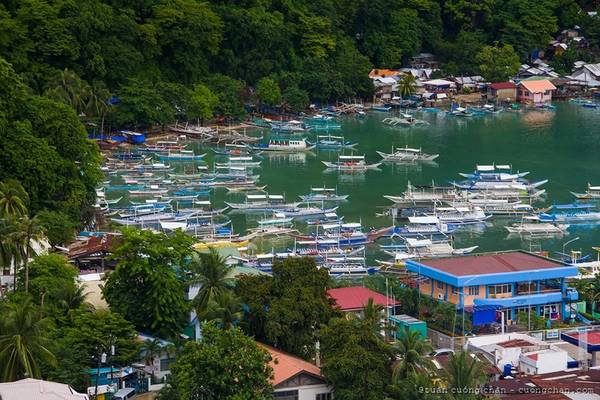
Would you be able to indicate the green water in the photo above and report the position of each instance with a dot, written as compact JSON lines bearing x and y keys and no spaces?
{"x":562,"y":146}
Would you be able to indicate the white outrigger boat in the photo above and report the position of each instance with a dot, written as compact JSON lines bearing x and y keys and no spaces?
{"x":407,"y":154}
{"x":426,"y":248}
{"x":323,"y":194}
{"x":241,"y":162}
{"x":499,"y":186}
{"x":537,"y":228}
{"x":263,"y":202}
{"x":284,"y":146}
{"x":424,"y":196}
{"x":460,"y":215}
{"x":404,"y":120}
{"x":350,"y":163}
{"x":592,"y":193}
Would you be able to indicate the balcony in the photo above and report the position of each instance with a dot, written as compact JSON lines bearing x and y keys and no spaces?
{"x":528,"y":300}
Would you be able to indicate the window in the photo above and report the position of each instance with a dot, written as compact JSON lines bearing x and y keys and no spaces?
{"x":323,"y":396}
{"x":440,"y":284}
{"x":454,"y":290}
{"x":550,"y":311}
{"x":500,"y":289}
{"x":286,"y":395}
{"x":473,"y":290}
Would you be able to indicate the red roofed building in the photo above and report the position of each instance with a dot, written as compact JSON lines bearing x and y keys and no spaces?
{"x":295,"y":378}
{"x":502,"y":91}
{"x":354,"y":299}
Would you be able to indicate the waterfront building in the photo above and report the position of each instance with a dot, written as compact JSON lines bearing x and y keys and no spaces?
{"x":537,"y":91}
{"x":502,"y":91}
{"x":296,"y":379}
{"x":507,"y":283}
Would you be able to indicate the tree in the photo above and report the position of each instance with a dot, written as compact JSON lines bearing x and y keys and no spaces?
{"x":144,"y":286}
{"x":202,"y":103}
{"x":50,"y":277}
{"x":498,"y":63}
{"x":268,"y":92}
{"x":225,"y":310}
{"x":224,"y":365}
{"x":14,"y":199}
{"x":295,"y":99}
{"x":29,"y":232}
{"x":151,"y":348}
{"x":67,"y":87}
{"x":408,"y":85}
{"x":58,"y":227}
{"x":372,"y":315}
{"x":464,"y":372}
{"x":23,"y":341}
{"x":412,"y":350}
{"x":355,"y":360}
{"x":229,"y":91}
{"x":210,"y":272}
{"x":141,"y":105}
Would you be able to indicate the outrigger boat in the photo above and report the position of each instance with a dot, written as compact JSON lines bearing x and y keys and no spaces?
{"x":285,"y":146}
{"x":496,"y":173}
{"x":536,"y":228}
{"x":407,"y":154}
{"x":182,"y":155}
{"x":334,"y":142}
{"x":576,"y":212}
{"x":592,"y":193}
{"x":246,"y":162}
{"x":460,"y":215}
{"x":351,"y":163}
{"x":421,"y":248}
{"x":323,"y":194}
{"x":263,"y":202}
{"x":424,"y":196}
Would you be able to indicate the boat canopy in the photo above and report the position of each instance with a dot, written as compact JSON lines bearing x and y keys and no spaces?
{"x":352,"y":157}
{"x":256,"y":197}
{"x":240,"y":159}
{"x":503,"y":167}
{"x":593,"y":187}
{"x":202,"y":202}
{"x":322,"y":189}
{"x":172,"y":225}
{"x":418,"y":242}
{"x":276,"y":196}
{"x":485,"y":168}
{"x":352,"y":225}
{"x":424,"y":220}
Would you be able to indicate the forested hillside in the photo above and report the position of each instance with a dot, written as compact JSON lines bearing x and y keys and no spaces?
{"x":139,"y":63}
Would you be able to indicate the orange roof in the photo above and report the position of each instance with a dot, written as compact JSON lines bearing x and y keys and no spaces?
{"x":538,"y":86}
{"x":383,"y":73}
{"x":286,"y":366}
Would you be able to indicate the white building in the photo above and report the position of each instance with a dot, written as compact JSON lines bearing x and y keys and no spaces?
{"x":296,"y":379}
{"x":35,"y":389}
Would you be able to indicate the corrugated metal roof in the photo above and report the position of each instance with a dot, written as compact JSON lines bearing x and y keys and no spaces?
{"x":355,"y":298}
{"x":35,"y":389}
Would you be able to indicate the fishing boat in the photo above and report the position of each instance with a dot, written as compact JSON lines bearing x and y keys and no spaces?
{"x":404,"y":120}
{"x":284,"y":145}
{"x":424,"y":196}
{"x":460,"y":215}
{"x":350,"y":163}
{"x":334,"y":142}
{"x":262,"y":202}
{"x":182,"y":155}
{"x":427,"y":248}
{"x":498,"y":186}
{"x":232,"y":149}
{"x":576,"y":212}
{"x":307,"y":212}
{"x":245,"y":162}
{"x":407,"y":154}
{"x":321,"y":194}
{"x":148,"y":191}
{"x":592,"y":193}
{"x":335,"y":235}
{"x":291,"y":126}
{"x":530,"y":226}
{"x":460,"y":112}
{"x":348,"y":266}
{"x":496,"y":173}
{"x":502,"y":206}
{"x":419,"y":226}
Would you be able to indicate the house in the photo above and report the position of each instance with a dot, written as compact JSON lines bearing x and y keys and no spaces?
{"x":385,"y":88}
{"x":502,"y":91}
{"x":160,"y":365}
{"x":424,"y":60}
{"x":535,"y":91}
{"x":354,"y":299}
{"x":584,"y":72}
{"x":296,"y":379}
{"x":384,"y":73}
{"x":439,"y":86}
{"x":474,"y":82}
{"x":505,"y":282}
{"x":522,"y":352}
{"x":35,"y":389}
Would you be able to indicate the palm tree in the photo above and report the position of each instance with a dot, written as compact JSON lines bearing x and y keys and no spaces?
{"x":412,"y":350}
{"x":225,"y":310}
{"x":464,"y":371}
{"x":408,"y":85}
{"x":372,"y":315}
{"x":69,"y":88}
{"x":9,"y":254}
{"x":29,"y":231}
{"x":213,"y":276}
{"x":97,"y":103}
{"x":13,"y":199}
{"x":23,"y":341}
{"x":151,"y":348}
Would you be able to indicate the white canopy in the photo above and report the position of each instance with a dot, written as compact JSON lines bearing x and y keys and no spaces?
{"x":418,"y":242}
{"x":351,"y":157}
{"x":424,"y":220}
{"x":485,"y":168}
{"x":256,"y":197}
{"x":172,"y":225}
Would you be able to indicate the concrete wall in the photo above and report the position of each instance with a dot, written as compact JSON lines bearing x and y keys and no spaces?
{"x":308,"y":392}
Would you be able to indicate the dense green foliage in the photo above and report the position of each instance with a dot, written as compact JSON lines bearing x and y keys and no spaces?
{"x":226,"y":365}
{"x":144,"y":287}
{"x":285,"y":310}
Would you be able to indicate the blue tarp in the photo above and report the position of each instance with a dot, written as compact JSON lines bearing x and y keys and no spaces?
{"x":485,"y":316}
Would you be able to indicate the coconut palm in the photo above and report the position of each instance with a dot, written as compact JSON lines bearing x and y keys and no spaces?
{"x":213,"y":276}
{"x":464,"y":371}
{"x":23,"y":341}
{"x":97,"y":103}
{"x":9,"y":254}
{"x":151,"y":348}
{"x":67,"y":87}
{"x":407,"y":85}
{"x":372,"y":314}
{"x":412,"y":351}
{"x":13,"y":199}
{"x":225,"y":310}
{"x":28,"y":231}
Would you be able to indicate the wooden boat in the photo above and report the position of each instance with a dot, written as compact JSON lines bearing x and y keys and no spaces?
{"x":496,"y":173}
{"x":307,"y":212}
{"x":460,"y":112}
{"x":351,"y":163}
{"x":323,"y":194}
{"x":182,"y":155}
{"x":285,"y":146}
{"x":592,"y":193}
{"x":245,"y":162}
{"x":380,"y":108}
{"x":407,"y":154}
{"x":291,"y":126}
{"x":426,"y":248}
{"x":424,"y":196}
{"x":460,"y":215}
{"x":576,"y":212}
{"x":262,"y":202}
{"x":334,"y":142}
{"x":534,"y":228}
{"x":498,"y":186}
